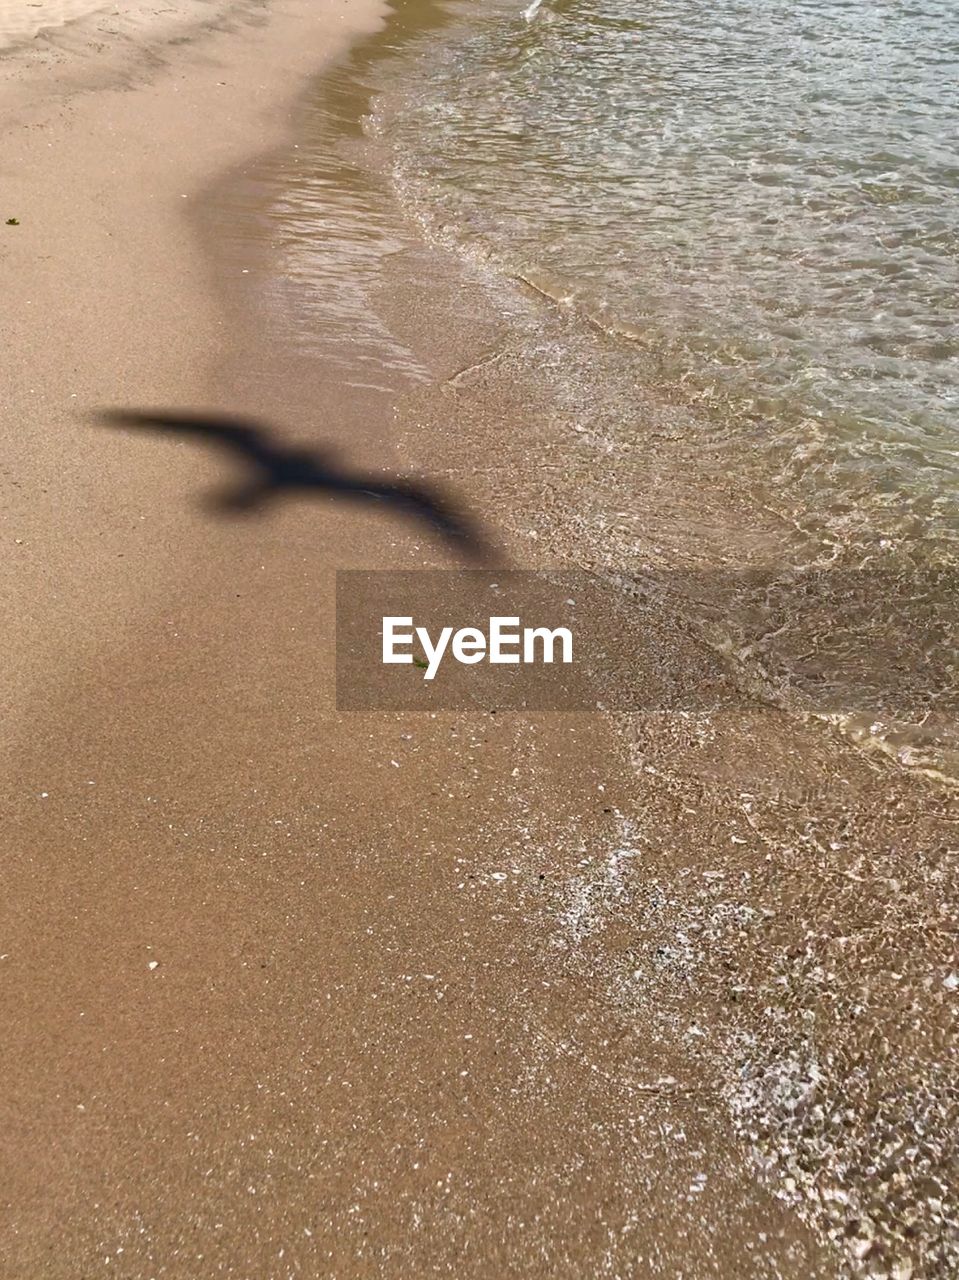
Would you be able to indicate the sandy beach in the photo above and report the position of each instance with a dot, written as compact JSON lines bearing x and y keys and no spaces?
{"x":288,"y":991}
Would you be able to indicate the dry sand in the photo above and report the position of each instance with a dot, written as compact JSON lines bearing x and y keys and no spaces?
{"x":22,"y":20}
{"x":277,"y":996}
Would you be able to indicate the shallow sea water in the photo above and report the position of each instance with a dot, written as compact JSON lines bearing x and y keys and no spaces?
{"x":753,"y":211}
{"x":740,"y":229}
{"x":781,"y":900}
{"x":763,"y":197}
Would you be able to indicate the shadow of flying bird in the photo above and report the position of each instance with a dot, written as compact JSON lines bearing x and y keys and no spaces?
{"x":276,"y":469}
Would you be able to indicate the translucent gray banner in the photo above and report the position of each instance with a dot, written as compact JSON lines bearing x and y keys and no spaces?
{"x":844,"y":642}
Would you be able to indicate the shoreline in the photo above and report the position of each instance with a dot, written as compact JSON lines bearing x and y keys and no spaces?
{"x":201,"y":896}
{"x":288,"y":985}
{"x":800,"y":836}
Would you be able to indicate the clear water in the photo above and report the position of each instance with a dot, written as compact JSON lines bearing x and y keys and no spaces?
{"x":758,"y":206}
{"x":764,"y":196}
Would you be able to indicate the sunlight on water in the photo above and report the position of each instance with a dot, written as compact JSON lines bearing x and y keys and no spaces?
{"x":763,"y":195}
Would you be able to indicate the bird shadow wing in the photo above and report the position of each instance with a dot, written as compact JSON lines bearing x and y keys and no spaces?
{"x":239,"y":435}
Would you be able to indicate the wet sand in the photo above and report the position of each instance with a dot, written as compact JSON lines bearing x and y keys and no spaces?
{"x":288,"y":992}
